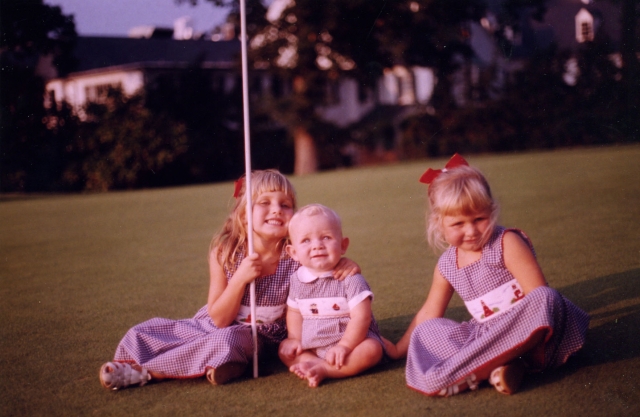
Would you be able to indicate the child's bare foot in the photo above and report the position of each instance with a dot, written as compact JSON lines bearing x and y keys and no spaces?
{"x":507,"y":378}
{"x":301,"y":369}
{"x":313,"y":371}
{"x":316,"y":374}
{"x":225,"y":372}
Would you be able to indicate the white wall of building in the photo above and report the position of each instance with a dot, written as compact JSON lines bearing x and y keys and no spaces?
{"x":348,"y":108}
{"x":80,"y":88}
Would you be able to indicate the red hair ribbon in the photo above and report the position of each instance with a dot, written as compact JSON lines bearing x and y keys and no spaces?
{"x":431,"y":174}
{"x":238,"y":187}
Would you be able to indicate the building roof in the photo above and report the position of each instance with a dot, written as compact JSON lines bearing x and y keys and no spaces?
{"x":95,"y":53}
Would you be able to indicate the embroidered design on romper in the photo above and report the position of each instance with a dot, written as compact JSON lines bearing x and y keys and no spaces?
{"x":487,"y":310}
{"x":314,"y":308}
{"x":248,"y":320}
{"x":518,"y":295}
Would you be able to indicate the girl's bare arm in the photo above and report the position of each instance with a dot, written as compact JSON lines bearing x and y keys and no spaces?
{"x":439,"y":296}
{"x":520,"y":261}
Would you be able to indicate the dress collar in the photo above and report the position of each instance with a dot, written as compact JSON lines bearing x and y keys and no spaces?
{"x":306,"y":276}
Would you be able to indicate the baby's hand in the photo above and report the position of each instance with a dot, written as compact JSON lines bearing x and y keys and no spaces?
{"x":345,"y":268}
{"x":290,"y":348}
{"x":337,"y":355}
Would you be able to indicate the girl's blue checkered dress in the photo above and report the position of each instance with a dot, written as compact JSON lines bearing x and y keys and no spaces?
{"x":442,"y":351}
{"x":187,"y":348}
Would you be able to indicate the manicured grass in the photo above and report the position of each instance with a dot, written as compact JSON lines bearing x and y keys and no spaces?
{"x":77,"y":271}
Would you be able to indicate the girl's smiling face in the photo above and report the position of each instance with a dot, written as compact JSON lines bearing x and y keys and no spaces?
{"x":466,"y":231}
{"x":271,"y":214}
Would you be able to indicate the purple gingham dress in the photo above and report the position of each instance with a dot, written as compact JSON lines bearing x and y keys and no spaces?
{"x":187,"y":348}
{"x":442,"y":351}
{"x":321,"y":332}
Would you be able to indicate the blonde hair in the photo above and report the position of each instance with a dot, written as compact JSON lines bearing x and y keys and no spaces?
{"x":314,"y":210}
{"x":231,"y":240}
{"x":459,"y":191}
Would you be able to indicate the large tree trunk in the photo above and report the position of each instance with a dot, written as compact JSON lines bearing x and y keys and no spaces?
{"x":306,"y":158}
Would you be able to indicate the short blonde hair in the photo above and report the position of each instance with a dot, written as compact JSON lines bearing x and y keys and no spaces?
{"x":315,"y":210}
{"x":231,"y":240}
{"x":461,"y":190}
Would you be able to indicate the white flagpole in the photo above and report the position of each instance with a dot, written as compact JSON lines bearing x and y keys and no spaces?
{"x":247,"y":164}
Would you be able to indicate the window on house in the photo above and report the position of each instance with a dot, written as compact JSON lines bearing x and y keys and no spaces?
{"x":99,"y":92}
{"x":586,"y":31}
{"x":584,"y":26}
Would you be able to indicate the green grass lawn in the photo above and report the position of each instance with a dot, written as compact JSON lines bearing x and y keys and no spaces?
{"x":76,"y":271}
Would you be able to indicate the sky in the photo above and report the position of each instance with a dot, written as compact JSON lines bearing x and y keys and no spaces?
{"x":116,"y":17}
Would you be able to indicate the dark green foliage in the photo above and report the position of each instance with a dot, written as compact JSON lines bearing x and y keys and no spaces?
{"x":122,"y":145}
{"x":371,"y":35}
{"x":30,"y":28}
{"x":30,"y":156}
{"x":181,"y":130}
{"x":212,"y":120}
{"x":538,"y":110}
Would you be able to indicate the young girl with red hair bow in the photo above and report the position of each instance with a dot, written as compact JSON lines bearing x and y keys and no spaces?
{"x":518,"y":323}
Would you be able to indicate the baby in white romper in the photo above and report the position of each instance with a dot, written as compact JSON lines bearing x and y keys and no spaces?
{"x":331,"y":330}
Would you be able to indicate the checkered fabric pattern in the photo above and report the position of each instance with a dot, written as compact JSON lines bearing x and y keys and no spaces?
{"x":442,"y":351}
{"x":321,"y":333}
{"x":187,"y":348}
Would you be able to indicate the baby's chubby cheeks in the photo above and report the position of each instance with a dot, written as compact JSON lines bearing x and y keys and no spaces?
{"x":316,"y":238}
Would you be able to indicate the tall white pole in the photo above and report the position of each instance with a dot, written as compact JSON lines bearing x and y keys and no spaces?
{"x":247,"y":164}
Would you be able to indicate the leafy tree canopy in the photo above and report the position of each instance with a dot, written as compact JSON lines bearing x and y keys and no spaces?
{"x":29,"y":27}
{"x":312,"y":43}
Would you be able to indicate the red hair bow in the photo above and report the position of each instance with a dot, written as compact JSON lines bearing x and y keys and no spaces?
{"x":238,"y":187}
{"x":431,"y":174}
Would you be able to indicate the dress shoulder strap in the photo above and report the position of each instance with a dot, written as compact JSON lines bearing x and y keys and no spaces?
{"x":524,"y":237}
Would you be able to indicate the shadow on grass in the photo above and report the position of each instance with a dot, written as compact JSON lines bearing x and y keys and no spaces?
{"x":613,"y":303}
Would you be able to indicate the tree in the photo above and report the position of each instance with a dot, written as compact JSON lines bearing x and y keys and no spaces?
{"x":629,"y":45}
{"x":123,"y":145}
{"x":330,"y":40}
{"x":214,"y":146}
{"x":311,"y":44}
{"x":537,"y":110}
{"x":31,"y":31}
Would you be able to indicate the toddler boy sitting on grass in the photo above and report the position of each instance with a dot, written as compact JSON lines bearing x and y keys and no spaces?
{"x":331,"y":329}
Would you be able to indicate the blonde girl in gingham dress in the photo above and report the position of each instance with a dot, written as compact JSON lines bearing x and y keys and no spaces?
{"x":217,"y":341}
{"x":518,"y":323}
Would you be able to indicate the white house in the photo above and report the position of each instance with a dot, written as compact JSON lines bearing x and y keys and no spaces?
{"x":130,"y":63}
